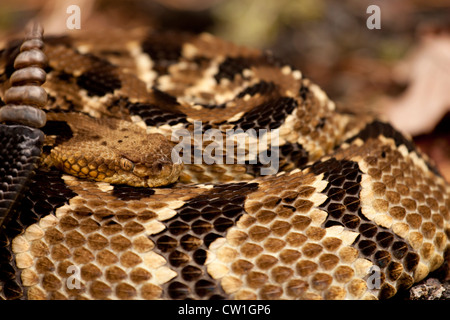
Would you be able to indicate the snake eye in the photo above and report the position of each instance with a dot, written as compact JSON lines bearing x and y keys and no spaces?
{"x":126,"y":164}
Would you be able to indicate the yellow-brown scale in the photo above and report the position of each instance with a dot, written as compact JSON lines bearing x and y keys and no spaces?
{"x":399,"y":195}
{"x":82,"y":166}
{"x":279,"y":249}
{"x":186,"y":242}
{"x":97,"y":246}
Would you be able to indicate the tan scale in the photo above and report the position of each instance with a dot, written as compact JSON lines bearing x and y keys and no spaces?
{"x":273,"y":253}
{"x":111,"y":258}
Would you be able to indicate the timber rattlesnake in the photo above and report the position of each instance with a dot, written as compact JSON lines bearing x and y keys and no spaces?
{"x":354,"y":212}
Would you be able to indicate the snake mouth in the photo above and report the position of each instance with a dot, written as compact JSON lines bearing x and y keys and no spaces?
{"x":168,"y":177}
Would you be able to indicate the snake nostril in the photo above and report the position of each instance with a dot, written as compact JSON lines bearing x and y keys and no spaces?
{"x":157,"y":167}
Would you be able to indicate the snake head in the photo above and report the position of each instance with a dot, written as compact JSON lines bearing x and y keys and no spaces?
{"x":154,"y":167}
{"x":115,"y":151}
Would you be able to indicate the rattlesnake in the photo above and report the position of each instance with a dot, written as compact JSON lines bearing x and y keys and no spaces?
{"x":353,"y":211}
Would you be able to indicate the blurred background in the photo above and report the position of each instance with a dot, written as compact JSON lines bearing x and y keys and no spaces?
{"x":401,"y":70}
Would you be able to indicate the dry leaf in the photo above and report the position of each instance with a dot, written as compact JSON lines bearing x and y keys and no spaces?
{"x":427,"y":98}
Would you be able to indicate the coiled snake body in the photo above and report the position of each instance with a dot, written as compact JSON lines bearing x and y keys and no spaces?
{"x":354,"y":212}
